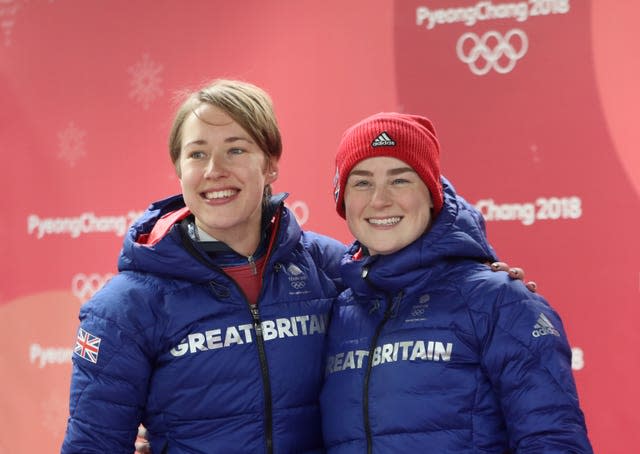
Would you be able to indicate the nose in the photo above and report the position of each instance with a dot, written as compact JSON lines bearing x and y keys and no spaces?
{"x":380,"y":197}
{"x":214,"y":168}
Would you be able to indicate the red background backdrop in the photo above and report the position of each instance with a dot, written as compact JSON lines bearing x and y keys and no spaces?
{"x":87,"y":93}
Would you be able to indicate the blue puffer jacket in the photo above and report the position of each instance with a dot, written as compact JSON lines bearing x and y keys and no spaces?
{"x":429,"y":351}
{"x":171,"y":342}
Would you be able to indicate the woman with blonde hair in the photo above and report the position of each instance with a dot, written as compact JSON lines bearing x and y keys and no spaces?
{"x":212,"y":332}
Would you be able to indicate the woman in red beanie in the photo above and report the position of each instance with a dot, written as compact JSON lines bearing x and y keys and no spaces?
{"x":428,"y":351}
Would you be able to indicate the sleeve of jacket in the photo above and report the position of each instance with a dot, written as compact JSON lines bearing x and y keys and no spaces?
{"x":528,"y":360}
{"x":110,"y":377}
{"x":327,"y":254}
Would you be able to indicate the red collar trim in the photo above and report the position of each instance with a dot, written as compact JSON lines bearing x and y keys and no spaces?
{"x":275,"y":226}
{"x":358,"y":255}
{"x":162,"y":227}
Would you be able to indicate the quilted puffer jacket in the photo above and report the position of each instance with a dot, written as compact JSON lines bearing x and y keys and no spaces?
{"x":172,"y":342}
{"x":429,"y":351}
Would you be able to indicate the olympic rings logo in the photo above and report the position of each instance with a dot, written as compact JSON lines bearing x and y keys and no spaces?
{"x":298,"y":284}
{"x":492,"y":47}
{"x":85,"y":286}
{"x":300,"y":210}
{"x":417,"y":311}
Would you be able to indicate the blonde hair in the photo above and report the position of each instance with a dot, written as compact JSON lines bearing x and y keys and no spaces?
{"x":249,"y":106}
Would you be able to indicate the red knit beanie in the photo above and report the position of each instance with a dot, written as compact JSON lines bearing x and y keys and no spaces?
{"x":410,"y":138}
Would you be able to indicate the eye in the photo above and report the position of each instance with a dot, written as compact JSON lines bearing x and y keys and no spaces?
{"x":236,"y":151}
{"x":196,"y":154}
{"x":361,"y":183}
{"x":400,"y":181}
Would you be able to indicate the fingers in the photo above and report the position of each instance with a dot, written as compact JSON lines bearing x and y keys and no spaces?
{"x":499,"y":266}
{"x":143,"y":447}
{"x":142,"y":443}
{"x":516,"y":273}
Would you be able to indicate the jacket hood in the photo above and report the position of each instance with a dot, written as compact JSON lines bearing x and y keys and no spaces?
{"x":458,"y":232}
{"x":167,"y":256}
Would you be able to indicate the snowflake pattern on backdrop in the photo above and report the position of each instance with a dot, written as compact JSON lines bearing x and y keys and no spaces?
{"x":8,"y":13}
{"x":8,"y":10}
{"x":53,"y":416}
{"x":535,"y":154}
{"x":145,"y":81}
{"x":71,"y":144}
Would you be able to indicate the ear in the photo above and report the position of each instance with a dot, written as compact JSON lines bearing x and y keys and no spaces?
{"x":272,"y":170}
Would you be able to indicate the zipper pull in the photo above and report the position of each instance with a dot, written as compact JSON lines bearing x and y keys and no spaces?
{"x":257,"y":324}
{"x":252,"y":262}
{"x":254,"y":312}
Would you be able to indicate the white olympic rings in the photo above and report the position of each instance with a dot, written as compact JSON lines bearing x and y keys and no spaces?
{"x":300,"y":210}
{"x":84,"y":286}
{"x":492,"y":56}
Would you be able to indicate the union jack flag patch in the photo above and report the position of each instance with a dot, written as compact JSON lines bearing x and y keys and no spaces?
{"x":87,"y":346}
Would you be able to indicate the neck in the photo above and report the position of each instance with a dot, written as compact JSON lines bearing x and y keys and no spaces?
{"x":242,"y":242}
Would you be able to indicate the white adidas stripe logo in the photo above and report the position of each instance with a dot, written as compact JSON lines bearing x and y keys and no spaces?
{"x":383,"y":140}
{"x":544,"y":327}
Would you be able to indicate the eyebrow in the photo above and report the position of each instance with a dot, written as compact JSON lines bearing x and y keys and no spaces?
{"x":392,"y":172}
{"x":231,"y":139}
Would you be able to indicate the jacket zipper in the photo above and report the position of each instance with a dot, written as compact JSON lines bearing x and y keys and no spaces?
{"x":264,"y":372}
{"x":257,"y":326}
{"x":262,"y":353}
{"x":365,"y":396}
{"x":266,"y":381}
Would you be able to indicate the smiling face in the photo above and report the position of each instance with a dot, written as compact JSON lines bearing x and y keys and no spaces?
{"x":387,"y":205}
{"x":223,"y":173}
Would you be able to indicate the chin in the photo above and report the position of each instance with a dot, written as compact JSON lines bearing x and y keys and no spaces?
{"x":383,"y":250}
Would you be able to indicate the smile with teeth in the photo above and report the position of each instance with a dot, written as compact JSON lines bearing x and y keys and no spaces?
{"x":385,"y":221}
{"x":220,"y":194}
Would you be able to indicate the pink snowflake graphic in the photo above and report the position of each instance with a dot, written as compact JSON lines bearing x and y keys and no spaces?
{"x":71,"y":141}
{"x":8,"y":9}
{"x":145,"y":81}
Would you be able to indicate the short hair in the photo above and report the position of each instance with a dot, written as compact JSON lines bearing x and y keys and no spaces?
{"x":250,"y":106}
